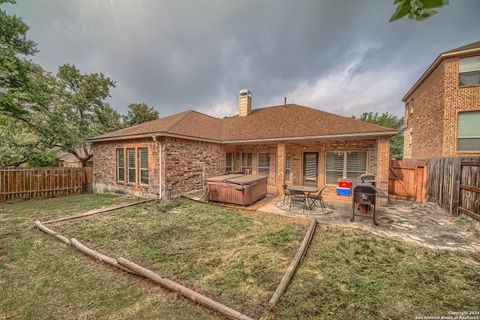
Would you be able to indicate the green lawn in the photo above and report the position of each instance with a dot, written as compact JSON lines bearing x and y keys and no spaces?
{"x":237,"y":258}
{"x":41,"y":278}
{"x":233,"y":257}
{"x":353,"y":274}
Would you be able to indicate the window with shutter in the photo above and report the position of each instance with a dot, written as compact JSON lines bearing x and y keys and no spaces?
{"x":131,"y":165}
{"x":287,"y":166}
{"x":246,"y":162}
{"x":310,"y":168}
{"x":345,"y":164}
{"x":143,"y":165}
{"x":468,"y":131}
{"x":356,"y":164}
{"x":120,"y":165}
{"x":229,"y":162}
{"x":334,"y":166}
{"x":469,"y":71}
{"x":264,"y":163}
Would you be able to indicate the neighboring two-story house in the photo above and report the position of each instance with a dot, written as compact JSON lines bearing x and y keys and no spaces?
{"x":287,"y":143}
{"x":442,"y":109}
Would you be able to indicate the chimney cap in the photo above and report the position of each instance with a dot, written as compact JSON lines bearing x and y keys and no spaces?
{"x":245,"y":92}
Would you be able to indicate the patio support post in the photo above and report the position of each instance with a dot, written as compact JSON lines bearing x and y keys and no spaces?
{"x":383,"y":163}
{"x":280,"y":176}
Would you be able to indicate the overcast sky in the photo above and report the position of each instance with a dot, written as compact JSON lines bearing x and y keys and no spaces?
{"x":341,"y":56}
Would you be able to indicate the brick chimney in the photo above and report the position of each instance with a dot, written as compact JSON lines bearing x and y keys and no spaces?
{"x":245,"y":102}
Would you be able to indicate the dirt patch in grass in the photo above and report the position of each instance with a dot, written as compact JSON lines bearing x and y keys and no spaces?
{"x":353,"y":274}
{"x":234,"y":257}
{"x":41,"y":278}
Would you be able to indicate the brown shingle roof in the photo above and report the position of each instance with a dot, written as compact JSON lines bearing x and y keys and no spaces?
{"x":277,"y":122}
{"x":473,"y":45}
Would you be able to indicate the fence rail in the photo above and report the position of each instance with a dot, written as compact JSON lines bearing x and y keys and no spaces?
{"x":43,"y":182}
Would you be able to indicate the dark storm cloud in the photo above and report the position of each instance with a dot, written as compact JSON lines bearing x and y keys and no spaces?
{"x":341,"y":56}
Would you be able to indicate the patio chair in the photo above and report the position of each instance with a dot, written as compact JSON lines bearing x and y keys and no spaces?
{"x":316,"y":198}
{"x":286,"y":193}
{"x":298,"y":198}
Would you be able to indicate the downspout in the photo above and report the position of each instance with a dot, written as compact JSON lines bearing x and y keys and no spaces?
{"x":159,"y":167}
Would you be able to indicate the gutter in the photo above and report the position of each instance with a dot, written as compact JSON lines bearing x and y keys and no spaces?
{"x":435,"y":65}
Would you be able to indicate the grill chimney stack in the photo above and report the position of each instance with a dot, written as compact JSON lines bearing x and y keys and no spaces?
{"x":245,"y":102}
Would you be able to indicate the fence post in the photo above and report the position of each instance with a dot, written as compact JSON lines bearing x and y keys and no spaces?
{"x":455,"y":190}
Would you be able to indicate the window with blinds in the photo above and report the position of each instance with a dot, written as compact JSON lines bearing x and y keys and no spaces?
{"x":264,"y":163}
{"x":310,"y":168}
{"x":468,"y":131}
{"x":131,"y":165}
{"x":120,"y":165}
{"x":143,"y":165}
{"x":287,"y":166}
{"x":334,"y":166}
{"x":229,"y":162}
{"x":469,"y":71}
{"x":345,"y":164}
{"x":246,"y":161}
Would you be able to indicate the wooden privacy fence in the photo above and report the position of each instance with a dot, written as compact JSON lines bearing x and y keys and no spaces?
{"x":454,"y":184}
{"x":406,"y":180}
{"x":43,"y":182}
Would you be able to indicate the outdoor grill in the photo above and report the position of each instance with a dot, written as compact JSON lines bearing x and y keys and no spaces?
{"x":364,"y":200}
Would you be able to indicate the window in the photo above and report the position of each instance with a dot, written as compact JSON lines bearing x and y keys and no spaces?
{"x":120,"y":165}
{"x":264,"y":163}
{"x":287,"y":166}
{"x":131,"y":165}
{"x":345,"y":164}
{"x":246,"y":162}
{"x":229,"y":162}
{"x":468,"y":131}
{"x":143,"y":165}
{"x":469,"y":71}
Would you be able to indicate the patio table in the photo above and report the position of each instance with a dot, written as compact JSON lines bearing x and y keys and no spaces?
{"x":306,"y":190}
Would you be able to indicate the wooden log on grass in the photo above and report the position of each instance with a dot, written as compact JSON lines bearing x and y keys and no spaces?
{"x":99,"y":256}
{"x":97,"y":211}
{"x":294,"y":264}
{"x":186,"y":292}
{"x":57,"y":235}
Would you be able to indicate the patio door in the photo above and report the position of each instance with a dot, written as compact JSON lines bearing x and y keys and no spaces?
{"x":310,"y":168}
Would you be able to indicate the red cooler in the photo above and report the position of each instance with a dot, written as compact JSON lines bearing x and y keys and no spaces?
{"x":344,"y":183}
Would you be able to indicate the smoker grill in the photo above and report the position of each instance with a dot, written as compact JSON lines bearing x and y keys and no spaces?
{"x":364,"y":200}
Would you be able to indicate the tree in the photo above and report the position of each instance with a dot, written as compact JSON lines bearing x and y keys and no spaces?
{"x":139,"y":113}
{"x":390,"y":121}
{"x":417,"y":9}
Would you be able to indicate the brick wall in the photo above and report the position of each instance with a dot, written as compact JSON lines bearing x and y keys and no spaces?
{"x":104,"y":167}
{"x":186,"y":162}
{"x":423,"y":135}
{"x":431,"y":130}
{"x":457,"y":99}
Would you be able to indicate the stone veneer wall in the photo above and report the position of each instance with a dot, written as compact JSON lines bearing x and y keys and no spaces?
{"x":104,"y":167}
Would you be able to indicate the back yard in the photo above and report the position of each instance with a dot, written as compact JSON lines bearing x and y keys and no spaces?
{"x":237,"y":258}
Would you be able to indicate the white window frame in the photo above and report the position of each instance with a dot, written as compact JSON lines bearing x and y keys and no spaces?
{"x":288,"y":165}
{"x":465,"y":72}
{"x":345,"y":161}
{"x":134,"y":166}
{"x":465,"y":137}
{"x":118,"y":167}
{"x":226,"y":163}
{"x":269,"y":162}
{"x":140,"y":169}
{"x":241,"y":162}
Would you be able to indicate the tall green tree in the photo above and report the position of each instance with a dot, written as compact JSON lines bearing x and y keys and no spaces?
{"x":19,"y":86}
{"x":416,"y":9}
{"x":390,"y":121}
{"x":139,"y":113}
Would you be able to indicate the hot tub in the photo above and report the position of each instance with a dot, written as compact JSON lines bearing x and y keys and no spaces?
{"x":237,"y":189}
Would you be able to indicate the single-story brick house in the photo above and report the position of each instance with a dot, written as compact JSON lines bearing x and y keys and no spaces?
{"x":289,"y":143}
